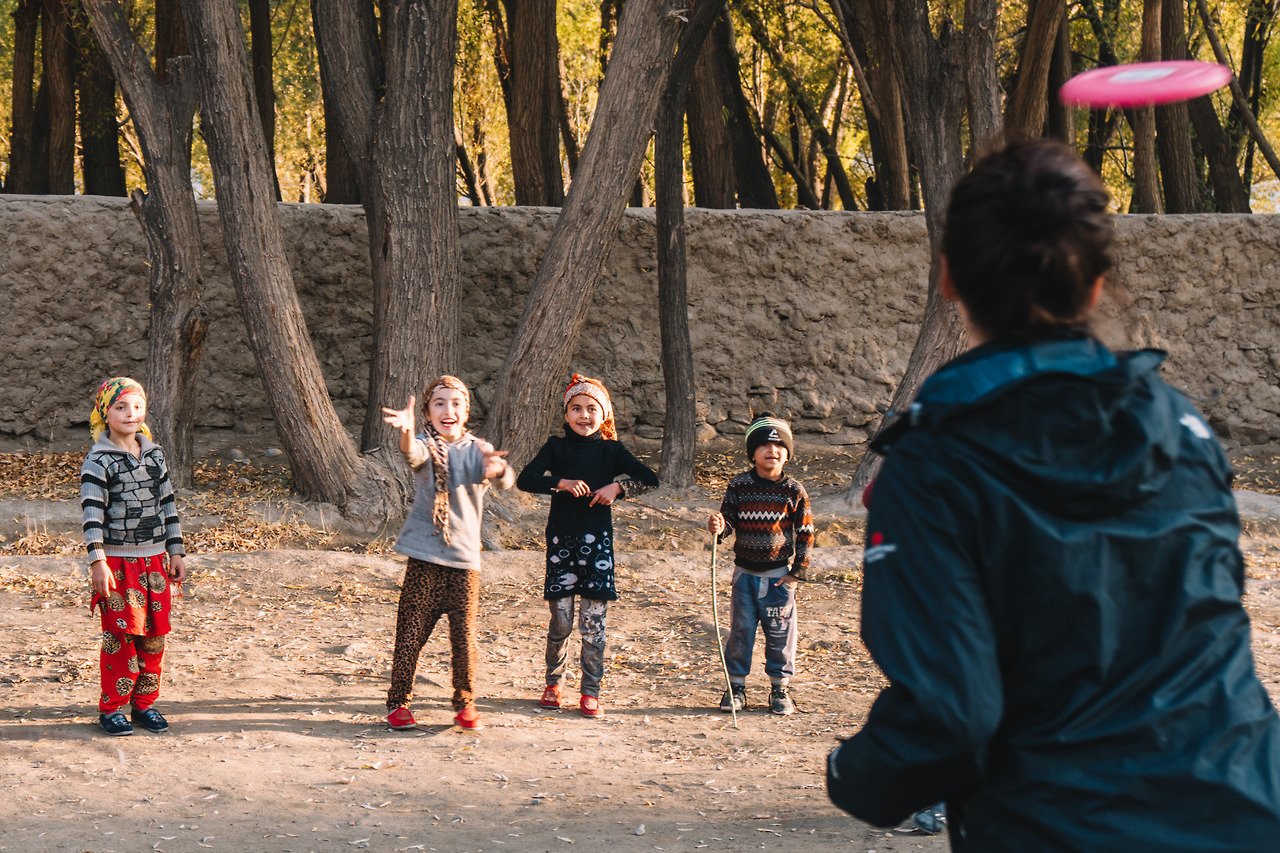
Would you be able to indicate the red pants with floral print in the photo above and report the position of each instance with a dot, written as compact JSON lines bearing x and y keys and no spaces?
{"x":135,"y":618}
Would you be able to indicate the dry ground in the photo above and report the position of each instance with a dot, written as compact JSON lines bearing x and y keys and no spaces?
{"x":278,"y":665}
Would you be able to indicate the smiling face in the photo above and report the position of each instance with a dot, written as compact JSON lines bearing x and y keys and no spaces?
{"x":126,"y":416}
{"x":447,"y":410}
{"x":769,"y":459}
{"x":584,"y":415}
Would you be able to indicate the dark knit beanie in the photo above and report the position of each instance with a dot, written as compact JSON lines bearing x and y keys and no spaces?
{"x":765,"y":429}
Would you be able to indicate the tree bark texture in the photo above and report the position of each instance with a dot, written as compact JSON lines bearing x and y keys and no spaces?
{"x":264,"y":86}
{"x":59,"y":82}
{"x":926,"y":64}
{"x":22,"y":178}
{"x":340,"y":183}
{"x":680,"y":423}
{"x":548,"y":332}
{"x":1182,"y":193}
{"x":101,"y":168}
{"x":1027,"y":111}
{"x":982,"y":82}
{"x":171,"y":36}
{"x":324,"y":461}
{"x":1062,"y":121}
{"x":871,"y":43}
{"x":1146,"y":178}
{"x":710,"y":152}
{"x":535,"y":106}
{"x":755,"y":184}
{"x":1229,"y":194}
{"x":162,"y":113}
{"x":395,"y":110}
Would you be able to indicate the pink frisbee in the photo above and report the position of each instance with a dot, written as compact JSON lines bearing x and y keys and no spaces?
{"x":1144,"y":84}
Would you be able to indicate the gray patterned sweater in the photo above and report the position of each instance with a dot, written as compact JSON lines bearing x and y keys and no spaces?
{"x":128,"y":504}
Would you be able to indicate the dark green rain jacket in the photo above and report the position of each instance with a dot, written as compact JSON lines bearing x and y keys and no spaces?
{"x":1052,"y":589}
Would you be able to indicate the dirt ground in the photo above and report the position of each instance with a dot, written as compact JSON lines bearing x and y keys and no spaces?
{"x":277,"y":669}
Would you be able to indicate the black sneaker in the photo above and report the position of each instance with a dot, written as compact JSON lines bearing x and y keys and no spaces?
{"x":151,"y":720}
{"x":780,"y":700}
{"x":931,"y":821}
{"x":115,"y":724}
{"x":734,"y":699}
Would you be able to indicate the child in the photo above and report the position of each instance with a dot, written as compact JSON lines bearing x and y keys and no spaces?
{"x":768,"y":511}
{"x":441,"y":538}
{"x":130,"y":524}
{"x":578,"y":470}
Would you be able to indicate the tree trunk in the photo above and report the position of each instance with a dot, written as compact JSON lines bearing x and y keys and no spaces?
{"x":982,"y":81}
{"x":171,"y":36}
{"x":926,"y":65}
{"x":324,"y":460}
{"x":755,"y":184}
{"x":466,"y":170}
{"x":871,"y":43}
{"x":710,"y":153}
{"x":162,"y":114}
{"x":59,"y":81}
{"x":1173,"y":124}
{"x":680,"y":424}
{"x":1146,"y":179}
{"x":340,"y":184}
{"x":548,"y":332}
{"x":1028,"y":106}
{"x":264,"y":87}
{"x":395,"y":111}
{"x":535,"y":106}
{"x":99,"y":135}
{"x":22,"y":172}
{"x":1229,"y":194}
{"x":1062,"y":124}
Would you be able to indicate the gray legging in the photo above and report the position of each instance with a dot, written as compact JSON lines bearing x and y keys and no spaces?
{"x":591,"y":613}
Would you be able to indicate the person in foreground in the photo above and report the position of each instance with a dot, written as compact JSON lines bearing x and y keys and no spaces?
{"x":130,"y":528}
{"x":452,"y":469}
{"x":1052,"y":580}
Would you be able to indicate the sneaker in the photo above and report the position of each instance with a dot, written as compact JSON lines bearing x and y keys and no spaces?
{"x":931,"y":821}
{"x":400,"y":719}
{"x":780,"y":700}
{"x":734,"y":699}
{"x":590,"y":707}
{"x":151,"y":720}
{"x":550,"y":696}
{"x":115,"y":724}
{"x":468,"y":718}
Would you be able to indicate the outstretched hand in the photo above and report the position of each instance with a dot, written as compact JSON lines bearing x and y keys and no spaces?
{"x":401,"y":419}
{"x":494,"y":465}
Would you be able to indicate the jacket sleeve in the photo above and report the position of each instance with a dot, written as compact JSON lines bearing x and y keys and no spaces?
{"x":637,"y":477}
{"x":173,"y":543}
{"x":536,"y":477}
{"x":93,"y":503}
{"x":802,"y":527}
{"x":926,"y":623}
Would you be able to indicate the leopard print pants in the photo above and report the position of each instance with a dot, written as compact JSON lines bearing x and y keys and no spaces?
{"x":429,"y":592}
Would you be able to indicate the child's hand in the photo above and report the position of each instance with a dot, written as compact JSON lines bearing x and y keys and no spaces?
{"x":577,"y":488}
{"x":177,"y":568}
{"x":787,"y":579}
{"x":494,"y":465}
{"x":715,"y":523}
{"x":401,"y":419}
{"x":100,"y":578}
{"x":605,"y":495}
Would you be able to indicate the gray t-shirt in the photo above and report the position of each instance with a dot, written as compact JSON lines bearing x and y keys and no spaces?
{"x":467,"y":485}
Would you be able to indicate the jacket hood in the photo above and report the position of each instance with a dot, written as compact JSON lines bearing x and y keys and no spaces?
{"x":1067,"y":424}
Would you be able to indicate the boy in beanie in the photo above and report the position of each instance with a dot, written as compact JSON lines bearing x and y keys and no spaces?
{"x":767,"y":510}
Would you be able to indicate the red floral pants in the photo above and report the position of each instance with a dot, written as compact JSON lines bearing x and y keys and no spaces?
{"x":135,"y":618}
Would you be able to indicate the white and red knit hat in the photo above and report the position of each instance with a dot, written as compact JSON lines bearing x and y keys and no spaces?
{"x":580,"y":385}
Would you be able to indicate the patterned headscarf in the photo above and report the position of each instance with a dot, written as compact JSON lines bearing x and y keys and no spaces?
{"x":438,"y":449}
{"x":108,"y":393}
{"x":594,"y":389}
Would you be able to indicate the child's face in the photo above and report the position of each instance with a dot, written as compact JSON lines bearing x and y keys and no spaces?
{"x":447,"y":410}
{"x":126,"y":416}
{"x":584,"y":415}
{"x":769,"y":459}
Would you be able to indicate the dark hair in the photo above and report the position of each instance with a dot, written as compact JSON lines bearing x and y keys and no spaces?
{"x":1026,"y":237}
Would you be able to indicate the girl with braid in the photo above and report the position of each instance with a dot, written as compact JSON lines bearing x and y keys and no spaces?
{"x":130,"y":527}
{"x":441,"y":537}
{"x":584,"y":471}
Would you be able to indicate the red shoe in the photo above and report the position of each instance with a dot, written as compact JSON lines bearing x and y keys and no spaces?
{"x":468,"y":718}
{"x":550,"y":696}
{"x":590,"y":707}
{"x":400,"y":719}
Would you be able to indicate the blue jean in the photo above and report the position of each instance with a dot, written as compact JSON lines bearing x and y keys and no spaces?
{"x":757,"y":601}
{"x":591,"y":617}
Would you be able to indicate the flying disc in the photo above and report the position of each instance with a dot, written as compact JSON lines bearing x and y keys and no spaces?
{"x":1144,"y":84}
